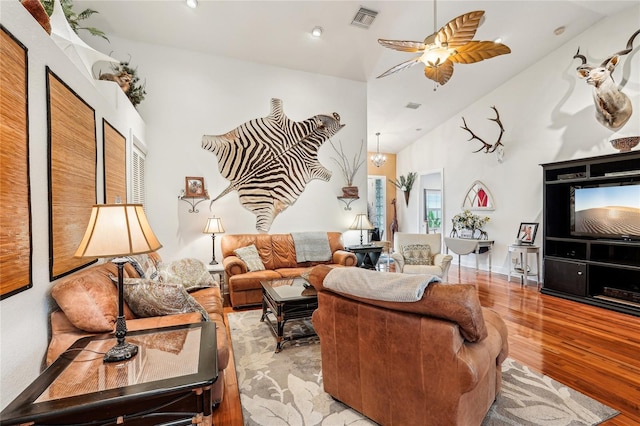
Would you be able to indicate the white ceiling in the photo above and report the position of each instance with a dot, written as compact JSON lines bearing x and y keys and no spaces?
{"x":277,"y":33}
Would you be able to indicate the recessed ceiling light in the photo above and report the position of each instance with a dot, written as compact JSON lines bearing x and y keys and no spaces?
{"x":413,"y":105}
{"x":192,"y":3}
{"x":559,"y":30}
{"x":316,"y":31}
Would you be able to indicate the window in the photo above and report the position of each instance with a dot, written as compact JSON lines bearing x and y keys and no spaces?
{"x":138,"y":183}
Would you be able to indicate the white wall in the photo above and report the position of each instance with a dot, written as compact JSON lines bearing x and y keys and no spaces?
{"x":191,"y":94}
{"x":548,"y":114}
{"x":24,"y":331}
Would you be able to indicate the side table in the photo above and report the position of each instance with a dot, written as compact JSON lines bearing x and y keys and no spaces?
{"x":218,"y":270}
{"x":522,"y":253}
{"x":464,"y":246}
{"x":168,"y":382}
{"x":367,"y":255}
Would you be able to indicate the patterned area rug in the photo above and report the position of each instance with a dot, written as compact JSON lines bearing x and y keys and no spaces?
{"x":286,"y":388}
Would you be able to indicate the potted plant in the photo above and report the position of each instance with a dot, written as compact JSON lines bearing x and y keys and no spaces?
{"x":405,"y":184}
{"x":348,"y":169}
{"x":468,"y":225}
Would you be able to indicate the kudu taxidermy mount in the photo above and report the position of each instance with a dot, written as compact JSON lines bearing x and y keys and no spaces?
{"x":497,"y":146}
{"x":613,"y":108}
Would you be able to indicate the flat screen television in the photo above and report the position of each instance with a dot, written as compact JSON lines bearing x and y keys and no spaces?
{"x":606,"y":211}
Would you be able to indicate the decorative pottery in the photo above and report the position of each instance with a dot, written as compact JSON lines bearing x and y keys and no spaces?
{"x":625,"y":144}
{"x":406,"y":197}
{"x":350,"y":191}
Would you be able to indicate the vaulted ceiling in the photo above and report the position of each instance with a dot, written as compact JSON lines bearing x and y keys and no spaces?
{"x":278,"y":33}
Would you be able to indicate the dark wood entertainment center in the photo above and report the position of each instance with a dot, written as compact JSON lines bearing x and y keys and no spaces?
{"x":600,"y":271}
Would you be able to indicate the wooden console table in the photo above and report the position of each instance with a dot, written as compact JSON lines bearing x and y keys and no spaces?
{"x":464,"y":246}
{"x":168,"y":382}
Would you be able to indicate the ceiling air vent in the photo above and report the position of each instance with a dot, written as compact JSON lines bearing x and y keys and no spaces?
{"x":413,"y":105}
{"x":364,"y":18}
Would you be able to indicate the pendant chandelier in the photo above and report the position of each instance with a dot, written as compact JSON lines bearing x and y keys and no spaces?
{"x":378,"y":159}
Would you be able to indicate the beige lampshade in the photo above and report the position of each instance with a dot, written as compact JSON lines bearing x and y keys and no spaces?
{"x":361,"y":222}
{"x":117,"y":230}
{"x":213,"y":226}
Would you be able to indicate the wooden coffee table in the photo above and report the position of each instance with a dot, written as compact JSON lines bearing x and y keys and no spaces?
{"x":287,"y":299}
{"x":168,"y":382}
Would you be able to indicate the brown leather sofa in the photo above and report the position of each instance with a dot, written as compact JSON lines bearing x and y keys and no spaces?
{"x":88,"y":301}
{"x":278,"y":254}
{"x":436,"y":361}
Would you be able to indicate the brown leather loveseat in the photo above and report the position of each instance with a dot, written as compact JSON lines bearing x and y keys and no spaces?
{"x":278,"y":255}
{"x":88,"y":305}
{"x":436,"y":361}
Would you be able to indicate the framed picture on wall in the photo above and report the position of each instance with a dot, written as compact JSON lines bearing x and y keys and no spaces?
{"x":527,"y":232}
{"x":194,"y":187}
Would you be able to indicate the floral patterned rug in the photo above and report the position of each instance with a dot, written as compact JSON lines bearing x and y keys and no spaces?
{"x":286,"y":388}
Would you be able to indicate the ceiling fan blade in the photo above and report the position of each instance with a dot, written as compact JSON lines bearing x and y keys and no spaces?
{"x":460,"y":30}
{"x":441,"y":73}
{"x":403,"y":46}
{"x":476,"y":51}
{"x":400,"y":67}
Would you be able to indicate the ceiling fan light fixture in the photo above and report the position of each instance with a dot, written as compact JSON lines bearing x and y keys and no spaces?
{"x":317,"y":31}
{"x":435,"y":56}
{"x":378,"y":159}
{"x":192,"y":3}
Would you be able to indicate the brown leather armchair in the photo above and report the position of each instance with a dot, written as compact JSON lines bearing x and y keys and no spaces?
{"x":436,"y":361}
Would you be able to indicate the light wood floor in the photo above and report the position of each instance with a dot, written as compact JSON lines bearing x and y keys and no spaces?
{"x":593,"y":350}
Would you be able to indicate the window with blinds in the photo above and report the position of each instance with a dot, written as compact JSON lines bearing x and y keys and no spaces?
{"x":138,"y":185}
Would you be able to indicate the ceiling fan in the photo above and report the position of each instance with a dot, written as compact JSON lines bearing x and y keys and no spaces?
{"x":451,"y":43}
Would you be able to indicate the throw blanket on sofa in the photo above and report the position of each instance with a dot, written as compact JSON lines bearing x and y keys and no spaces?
{"x":387,"y":286}
{"x":311,"y":246}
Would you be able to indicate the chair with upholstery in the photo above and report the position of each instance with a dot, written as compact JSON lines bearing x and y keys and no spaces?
{"x":420,"y":254}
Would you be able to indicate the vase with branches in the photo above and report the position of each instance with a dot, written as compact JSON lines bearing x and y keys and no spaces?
{"x":349,"y":168}
{"x":405,"y":184}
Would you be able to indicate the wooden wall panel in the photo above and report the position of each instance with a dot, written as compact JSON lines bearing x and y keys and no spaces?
{"x":72,"y":174}
{"x":15,"y":208}
{"x":115,"y":164}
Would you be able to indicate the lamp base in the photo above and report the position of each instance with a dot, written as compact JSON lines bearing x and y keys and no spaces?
{"x":121,"y":352}
{"x":213,"y":262}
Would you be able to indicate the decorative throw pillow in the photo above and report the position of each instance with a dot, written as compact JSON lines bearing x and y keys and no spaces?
{"x":250,"y":256}
{"x":148,"y":298}
{"x":146,"y":264}
{"x":191,"y":273}
{"x":417,"y":254}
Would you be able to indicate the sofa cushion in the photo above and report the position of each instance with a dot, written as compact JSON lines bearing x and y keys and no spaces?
{"x":417,"y":254}
{"x":250,"y":256}
{"x":191,"y":273}
{"x":89,"y":298}
{"x":149,"y":298}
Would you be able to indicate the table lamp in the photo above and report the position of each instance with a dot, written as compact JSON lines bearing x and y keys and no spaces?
{"x":213,"y":227}
{"x":118,"y":230}
{"x":361,"y":222}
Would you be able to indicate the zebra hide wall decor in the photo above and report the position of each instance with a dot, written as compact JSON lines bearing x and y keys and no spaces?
{"x":270,"y":160}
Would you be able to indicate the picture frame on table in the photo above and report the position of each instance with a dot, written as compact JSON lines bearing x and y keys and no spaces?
{"x":194,"y":187}
{"x":527,"y":232}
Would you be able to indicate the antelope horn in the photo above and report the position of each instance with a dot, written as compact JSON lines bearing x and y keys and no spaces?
{"x":625,"y":51}
{"x":581,"y":57}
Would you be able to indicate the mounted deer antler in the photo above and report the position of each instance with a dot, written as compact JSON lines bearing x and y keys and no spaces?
{"x":488,"y":148}
{"x":613,"y":108}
